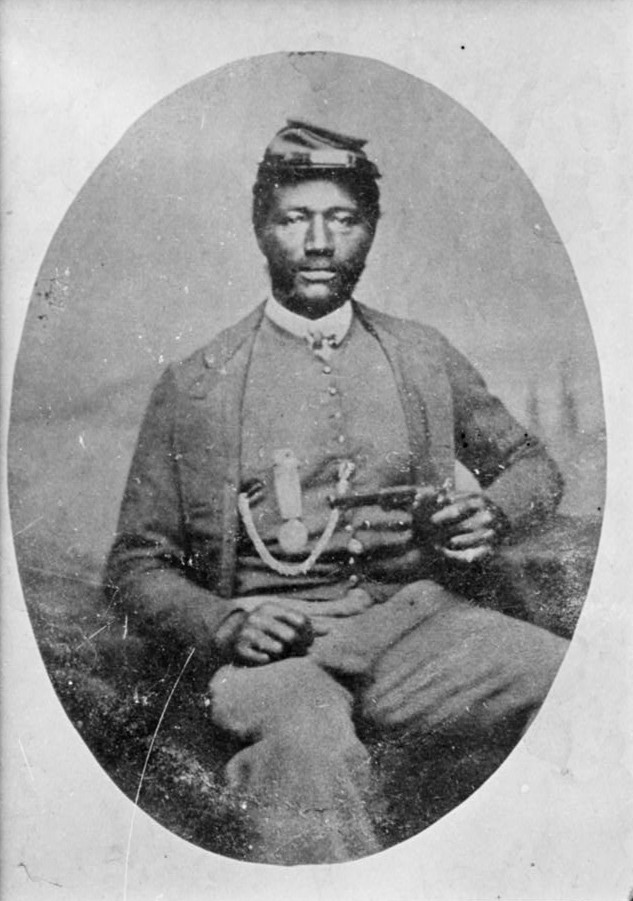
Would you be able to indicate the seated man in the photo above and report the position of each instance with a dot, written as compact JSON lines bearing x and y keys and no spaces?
{"x":290,"y":507}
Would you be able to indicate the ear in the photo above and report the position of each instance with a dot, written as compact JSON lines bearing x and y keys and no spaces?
{"x":260,"y":237}
{"x":371,"y":234}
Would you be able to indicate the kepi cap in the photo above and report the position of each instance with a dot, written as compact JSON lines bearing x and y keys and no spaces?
{"x":301,"y":147}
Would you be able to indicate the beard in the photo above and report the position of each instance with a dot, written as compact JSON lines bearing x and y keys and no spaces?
{"x":314,"y":300}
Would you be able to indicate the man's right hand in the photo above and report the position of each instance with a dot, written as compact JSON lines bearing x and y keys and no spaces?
{"x":269,"y":632}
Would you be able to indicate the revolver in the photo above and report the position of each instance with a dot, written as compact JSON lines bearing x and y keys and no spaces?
{"x":421,"y":500}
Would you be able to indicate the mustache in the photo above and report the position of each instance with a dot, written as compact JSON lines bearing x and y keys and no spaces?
{"x":325,"y":265}
{"x":285,"y":273}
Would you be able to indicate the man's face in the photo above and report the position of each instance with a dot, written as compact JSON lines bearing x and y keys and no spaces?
{"x":316,"y":240}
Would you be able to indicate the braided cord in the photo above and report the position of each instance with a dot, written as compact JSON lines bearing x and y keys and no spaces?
{"x":295,"y":569}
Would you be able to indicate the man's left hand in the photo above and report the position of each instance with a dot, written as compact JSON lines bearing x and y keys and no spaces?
{"x":468,"y":527}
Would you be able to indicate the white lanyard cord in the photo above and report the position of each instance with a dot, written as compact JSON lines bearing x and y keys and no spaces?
{"x":296,"y":569}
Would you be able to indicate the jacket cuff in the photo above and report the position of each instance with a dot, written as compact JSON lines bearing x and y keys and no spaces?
{"x":526,"y":493}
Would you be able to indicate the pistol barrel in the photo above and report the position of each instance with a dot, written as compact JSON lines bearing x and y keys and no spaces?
{"x":399,"y":497}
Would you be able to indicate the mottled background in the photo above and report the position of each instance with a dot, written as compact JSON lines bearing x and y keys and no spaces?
{"x":156,"y":255}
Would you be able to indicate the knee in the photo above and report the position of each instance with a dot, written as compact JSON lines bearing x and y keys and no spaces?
{"x":225,"y":690}
{"x":290,"y":697}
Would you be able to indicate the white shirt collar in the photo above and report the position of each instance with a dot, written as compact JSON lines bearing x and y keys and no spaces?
{"x":335,"y":324}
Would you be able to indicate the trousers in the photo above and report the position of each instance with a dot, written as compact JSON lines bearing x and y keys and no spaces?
{"x":421,"y":665}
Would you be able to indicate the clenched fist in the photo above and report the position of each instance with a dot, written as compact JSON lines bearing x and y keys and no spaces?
{"x":268,"y":632}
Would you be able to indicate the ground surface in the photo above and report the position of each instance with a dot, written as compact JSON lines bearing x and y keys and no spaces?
{"x":115,"y":688}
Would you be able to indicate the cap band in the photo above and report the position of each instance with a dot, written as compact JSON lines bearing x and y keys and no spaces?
{"x":304,"y":147}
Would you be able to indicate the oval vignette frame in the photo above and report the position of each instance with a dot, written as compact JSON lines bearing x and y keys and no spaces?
{"x":156,"y":255}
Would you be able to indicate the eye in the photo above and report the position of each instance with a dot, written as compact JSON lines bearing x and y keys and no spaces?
{"x":344,"y":219}
{"x":291,"y":217}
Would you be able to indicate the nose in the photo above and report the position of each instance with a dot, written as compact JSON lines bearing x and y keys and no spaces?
{"x":318,"y":237}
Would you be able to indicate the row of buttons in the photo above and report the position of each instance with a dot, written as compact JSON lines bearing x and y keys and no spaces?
{"x":354,"y":546}
{"x":333,"y":392}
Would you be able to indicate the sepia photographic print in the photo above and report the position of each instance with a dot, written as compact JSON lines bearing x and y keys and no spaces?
{"x":307,"y":476}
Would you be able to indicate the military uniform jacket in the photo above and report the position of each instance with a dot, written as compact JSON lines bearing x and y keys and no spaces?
{"x":173,"y":563}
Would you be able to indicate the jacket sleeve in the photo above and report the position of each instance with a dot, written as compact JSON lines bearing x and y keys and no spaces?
{"x":512,"y":466}
{"x":149,"y":575}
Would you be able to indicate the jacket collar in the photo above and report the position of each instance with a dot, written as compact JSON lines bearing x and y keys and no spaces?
{"x":218,"y":354}
{"x":335,"y":324}
{"x":228,"y":342}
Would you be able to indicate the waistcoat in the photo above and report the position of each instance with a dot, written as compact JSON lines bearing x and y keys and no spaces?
{"x":345,"y":408}
{"x":208,"y":427}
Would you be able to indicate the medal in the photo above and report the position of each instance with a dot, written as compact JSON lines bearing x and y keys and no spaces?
{"x":293,"y":535}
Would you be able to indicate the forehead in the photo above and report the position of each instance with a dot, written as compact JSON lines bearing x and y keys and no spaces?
{"x":316,"y":194}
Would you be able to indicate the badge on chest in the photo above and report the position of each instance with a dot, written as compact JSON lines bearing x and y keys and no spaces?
{"x":292,"y":534}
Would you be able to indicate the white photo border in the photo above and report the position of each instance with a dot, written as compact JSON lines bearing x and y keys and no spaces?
{"x":552,"y":81}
